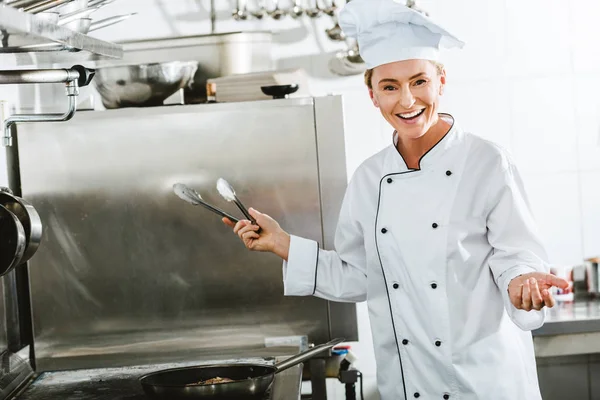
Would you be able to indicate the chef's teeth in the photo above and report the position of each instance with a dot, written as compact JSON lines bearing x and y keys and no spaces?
{"x":411,"y":114}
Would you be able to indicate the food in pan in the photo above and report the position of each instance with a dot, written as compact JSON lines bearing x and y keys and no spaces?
{"x":215,"y":380}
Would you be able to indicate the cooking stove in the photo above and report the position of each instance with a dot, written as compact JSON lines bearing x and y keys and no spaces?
{"x":123,"y":383}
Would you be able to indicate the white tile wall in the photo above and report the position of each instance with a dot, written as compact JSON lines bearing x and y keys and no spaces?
{"x":528,"y":79}
{"x":590,"y":193}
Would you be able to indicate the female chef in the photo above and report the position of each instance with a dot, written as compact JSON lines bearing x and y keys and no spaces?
{"x":435,"y":233}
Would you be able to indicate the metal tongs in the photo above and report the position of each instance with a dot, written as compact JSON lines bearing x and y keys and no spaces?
{"x":189,"y":195}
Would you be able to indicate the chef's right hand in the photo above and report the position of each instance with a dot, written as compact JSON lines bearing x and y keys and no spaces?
{"x":271,"y":237}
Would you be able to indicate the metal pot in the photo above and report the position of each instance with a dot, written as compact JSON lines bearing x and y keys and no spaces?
{"x":28,"y":218}
{"x":12,"y":241}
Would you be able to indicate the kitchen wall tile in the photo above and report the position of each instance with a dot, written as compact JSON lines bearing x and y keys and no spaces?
{"x":587,"y":112}
{"x":543,"y":124}
{"x":556,"y":204}
{"x":537,"y":37}
{"x":480,"y":107}
{"x":585,"y":29}
{"x":590,"y":195}
{"x":482,"y":26}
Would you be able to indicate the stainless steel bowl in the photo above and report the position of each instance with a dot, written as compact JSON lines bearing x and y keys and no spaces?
{"x":144,"y":85}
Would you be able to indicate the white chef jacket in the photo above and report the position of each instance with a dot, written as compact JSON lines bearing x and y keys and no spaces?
{"x":432,"y":251}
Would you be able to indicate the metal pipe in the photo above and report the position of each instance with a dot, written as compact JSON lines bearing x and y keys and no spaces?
{"x":38,"y":76}
{"x":72,"y":93}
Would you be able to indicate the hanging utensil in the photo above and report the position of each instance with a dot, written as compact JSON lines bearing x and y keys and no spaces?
{"x":28,"y":217}
{"x":297,"y":11}
{"x":103,"y":23}
{"x":45,"y":6}
{"x":12,"y":241}
{"x":314,"y":12}
{"x":335,"y":33}
{"x":277,"y":13}
{"x":260,"y":10}
{"x":240,"y":12}
{"x":247,"y":380}
{"x":227,"y":192}
{"x":330,"y":9}
{"x":79,"y":14}
{"x":191,"y":196}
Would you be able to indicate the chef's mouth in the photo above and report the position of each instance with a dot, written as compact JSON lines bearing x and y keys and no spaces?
{"x":412,"y":116}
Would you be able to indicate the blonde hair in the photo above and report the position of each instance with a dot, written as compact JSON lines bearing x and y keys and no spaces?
{"x":369,"y":73}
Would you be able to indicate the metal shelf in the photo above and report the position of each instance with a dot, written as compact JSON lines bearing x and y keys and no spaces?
{"x":21,"y":28}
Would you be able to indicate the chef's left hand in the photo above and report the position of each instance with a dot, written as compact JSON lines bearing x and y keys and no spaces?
{"x":532,"y":291}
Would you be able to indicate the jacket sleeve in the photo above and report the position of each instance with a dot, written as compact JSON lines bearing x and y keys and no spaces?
{"x":338,"y":275}
{"x":513,"y":234}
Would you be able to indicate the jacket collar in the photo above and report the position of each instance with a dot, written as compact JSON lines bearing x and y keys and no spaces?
{"x":396,"y":164}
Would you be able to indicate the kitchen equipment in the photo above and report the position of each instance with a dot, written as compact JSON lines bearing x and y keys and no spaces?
{"x":142,"y":85}
{"x":45,"y":6}
{"x":103,"y":23}
{"x":240,"y":12}
{"x":247,"y":87}
{"x":127,"y":275}
{"x":191,"y":196}
{"x":279,"y":91}
{"x":72,"y":6}
{"x":13,"y":241}
{"x":297,"y":11}
{"x":250,"y":380}
{"x":227,"y":192}
{"x":347,"y":62}
{"x":81,"y":25}
{"x":216,"y":55}
{"x":314,"y":12}
{"x":259,"y":11}
{"x":29,"y":219}
{"x":277,"y":12}
{"x":75,"y":15}
{"x":335,"y":33}
{"x":593,"y":276}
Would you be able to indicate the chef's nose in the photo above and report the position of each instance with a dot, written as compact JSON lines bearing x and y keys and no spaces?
{"x":407,"y":100}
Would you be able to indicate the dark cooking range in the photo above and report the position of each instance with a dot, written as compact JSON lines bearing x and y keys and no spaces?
{"x":123,"y":383}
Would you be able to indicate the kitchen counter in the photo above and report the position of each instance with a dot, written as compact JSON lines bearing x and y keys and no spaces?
{"x":581,"y":316}
{"x":571,"y":329}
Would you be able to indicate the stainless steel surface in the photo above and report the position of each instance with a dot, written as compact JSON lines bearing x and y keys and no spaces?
{"x":191,"y":196}
{"x":125,"y":273}
{"x":216,"y":55}
{"x":248,"y":380}
{"x":142,"y":85}
{"x":3,"y":319}
{"x":123,"y":383}
{"x":571,"y":317}
{"x":14,"y":373}
{"x":332,"y":186}
{"x":31,"y":26}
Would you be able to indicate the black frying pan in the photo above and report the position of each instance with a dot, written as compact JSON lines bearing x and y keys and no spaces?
{"x":250,"y":381}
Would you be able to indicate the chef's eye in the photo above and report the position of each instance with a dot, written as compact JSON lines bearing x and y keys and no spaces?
{"x":389,"y":87}
{"x":420,"y":82}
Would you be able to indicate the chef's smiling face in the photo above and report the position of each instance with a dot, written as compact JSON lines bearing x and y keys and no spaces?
{"x":408,"y":93}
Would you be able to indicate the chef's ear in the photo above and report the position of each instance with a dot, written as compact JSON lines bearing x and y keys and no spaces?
{"x":442,"y":81}
{"x":373,"y":98}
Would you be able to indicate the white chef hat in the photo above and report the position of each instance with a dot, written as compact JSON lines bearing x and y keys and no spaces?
{"x":388,"y":31}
